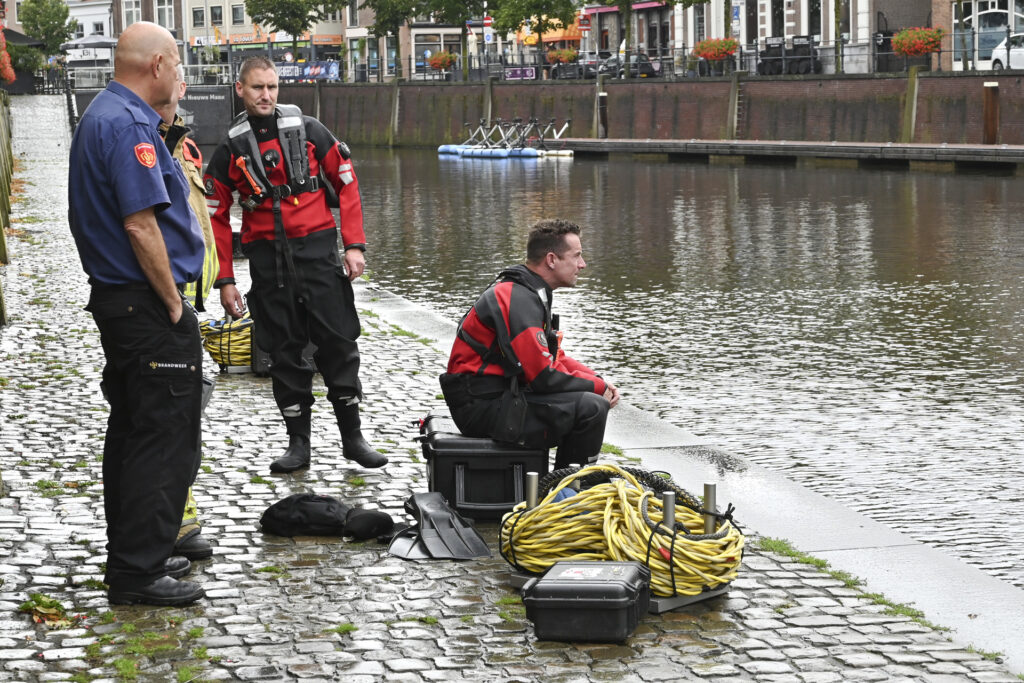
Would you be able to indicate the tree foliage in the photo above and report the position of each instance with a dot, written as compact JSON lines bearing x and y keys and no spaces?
{"x":291,"y":16}
{"x":389,"y":15}
{"x":47,"y":20}
{"x":540,"y":15}
{"x":25,"y":58}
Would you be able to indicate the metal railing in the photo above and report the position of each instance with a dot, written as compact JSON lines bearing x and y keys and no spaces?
{"x":794,"y":55}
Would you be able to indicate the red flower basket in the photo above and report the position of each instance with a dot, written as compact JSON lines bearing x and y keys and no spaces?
{"x":6,"y":69}
{"x":441,"y":60}
{"x":915,"y":42}
{"x":565,"y":56}
{"x":716,"y":49}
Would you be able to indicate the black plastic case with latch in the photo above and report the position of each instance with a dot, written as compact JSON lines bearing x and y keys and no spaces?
{"x":480,"y":478}
{"x":588,"y":601}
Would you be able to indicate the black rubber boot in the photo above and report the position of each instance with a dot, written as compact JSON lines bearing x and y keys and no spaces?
{"x":297,"y":455}
{"x":353,"y":445}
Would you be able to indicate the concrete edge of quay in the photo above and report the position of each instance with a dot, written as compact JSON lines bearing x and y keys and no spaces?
{"x":980,"y":610}
{"x":1004,"y":156}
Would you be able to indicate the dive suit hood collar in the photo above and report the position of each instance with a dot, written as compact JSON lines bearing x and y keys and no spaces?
{"x":522,"y":275}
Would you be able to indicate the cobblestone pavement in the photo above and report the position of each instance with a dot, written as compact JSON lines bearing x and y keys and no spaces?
{"x":321,"y":608}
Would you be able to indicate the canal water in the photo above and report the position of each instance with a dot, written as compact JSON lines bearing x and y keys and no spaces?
{"x":859,"y":331}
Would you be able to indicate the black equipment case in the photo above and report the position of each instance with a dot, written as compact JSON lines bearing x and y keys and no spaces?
{"x":480,"y":478}
{"x":588,"y":600}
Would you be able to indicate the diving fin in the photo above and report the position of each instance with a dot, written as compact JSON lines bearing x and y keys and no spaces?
{"x":406,"y":544}
{"x":443,"y":532}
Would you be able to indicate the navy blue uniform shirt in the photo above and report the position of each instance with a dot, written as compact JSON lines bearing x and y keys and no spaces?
{"x":120,"y":165}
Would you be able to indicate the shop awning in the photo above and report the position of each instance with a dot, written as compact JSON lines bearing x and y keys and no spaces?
{"x":570,"y":34}
{"x":636,"y":5}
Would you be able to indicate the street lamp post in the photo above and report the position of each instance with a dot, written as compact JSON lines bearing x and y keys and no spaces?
{"x":206,"y":21}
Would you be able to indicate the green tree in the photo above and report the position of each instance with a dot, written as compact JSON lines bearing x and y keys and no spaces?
{"x":47,"y":20}
{"x":540,"y":15}
{"x":25,"y":58}
{"x":454,"y":13}
{"x":388,"y":18}
{"x":626,"y":11}
{"x":391,"y":14}
{"x":291,"y":16}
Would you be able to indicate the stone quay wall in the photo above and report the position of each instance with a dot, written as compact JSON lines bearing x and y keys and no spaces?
{"x":927,"y":108}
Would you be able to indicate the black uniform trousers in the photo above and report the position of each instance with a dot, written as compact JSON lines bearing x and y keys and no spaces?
{"x":319,"y":307}
{"x":153,"y":382}
{"x":574,"y":421}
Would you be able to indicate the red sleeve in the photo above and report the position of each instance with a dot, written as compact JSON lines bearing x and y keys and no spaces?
{"x":342,"y":175}
{"x":336,"y":161}
{"x":219,"y":198}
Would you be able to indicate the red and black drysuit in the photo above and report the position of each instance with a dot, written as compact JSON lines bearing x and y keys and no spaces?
{"x":508,"y":343}
{"x":300,"y":292}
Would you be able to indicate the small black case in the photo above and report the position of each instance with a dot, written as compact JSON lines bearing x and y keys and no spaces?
{"x":480,"y":478}
{"x":588,"y":601}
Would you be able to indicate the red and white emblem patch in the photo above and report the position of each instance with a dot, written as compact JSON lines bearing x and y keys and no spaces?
{"x":146,"y":155}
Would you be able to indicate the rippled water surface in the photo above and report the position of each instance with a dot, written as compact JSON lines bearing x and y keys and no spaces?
{"x":858,"y":330}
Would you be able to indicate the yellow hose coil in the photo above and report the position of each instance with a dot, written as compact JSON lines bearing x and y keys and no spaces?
{"x":229,"y":342}
{"x":606,"y":522}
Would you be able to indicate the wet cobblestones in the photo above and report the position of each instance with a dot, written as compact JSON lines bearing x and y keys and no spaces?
{"x":281,"y":609}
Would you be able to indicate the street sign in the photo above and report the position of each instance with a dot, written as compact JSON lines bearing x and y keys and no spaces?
{"x":584,"y":23}
{"x":487,"y":21}
{"x":489,"y":36}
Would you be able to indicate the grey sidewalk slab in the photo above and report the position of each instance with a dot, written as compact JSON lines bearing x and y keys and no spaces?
{"x":979,"y":609}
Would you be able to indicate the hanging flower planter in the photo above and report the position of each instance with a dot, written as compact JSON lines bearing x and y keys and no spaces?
{"x":917,"y":42}
{"x":441,"y":61}
{"x":566,"y":56}
{"x":716,"y":49}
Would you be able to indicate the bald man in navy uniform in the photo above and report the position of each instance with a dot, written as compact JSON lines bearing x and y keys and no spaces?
{"x":139,"y":242}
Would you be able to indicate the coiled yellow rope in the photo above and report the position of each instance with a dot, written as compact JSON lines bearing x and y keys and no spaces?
{"x":229,"y":342}
{"x":606,"y":522}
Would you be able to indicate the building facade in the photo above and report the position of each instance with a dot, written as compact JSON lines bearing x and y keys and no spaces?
{"x":985,"y":23}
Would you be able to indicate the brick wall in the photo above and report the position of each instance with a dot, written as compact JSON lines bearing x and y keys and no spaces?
{"x":546,"y":101}
{"x":845,"y":109}
{"x":820,"y":109}
{"x":667,"y":111}
{"x":950,"y":109}
{"x":430,"y":115}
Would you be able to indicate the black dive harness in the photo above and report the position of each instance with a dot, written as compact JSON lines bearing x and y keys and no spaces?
{"x":245,"y":149}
